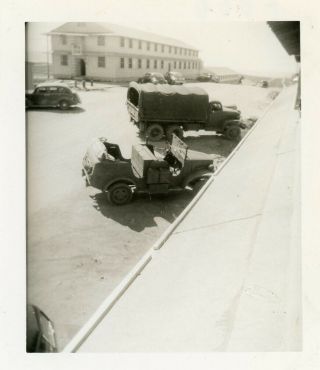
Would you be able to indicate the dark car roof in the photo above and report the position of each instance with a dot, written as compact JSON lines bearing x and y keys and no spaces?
{"x":150,"y":88}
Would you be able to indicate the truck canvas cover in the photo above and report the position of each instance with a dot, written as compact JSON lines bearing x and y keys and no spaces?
{"x":169,"y":103}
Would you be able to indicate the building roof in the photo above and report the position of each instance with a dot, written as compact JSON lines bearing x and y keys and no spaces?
{"x":288,"y":33}
{"x":94,"y":28}
{"x":220,"y":71}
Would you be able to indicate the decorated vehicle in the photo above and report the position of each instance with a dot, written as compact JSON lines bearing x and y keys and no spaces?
{"x":152,"y":77}
{"x":160,"y":110}
{"x":148,"y":171}
{"x":52,"y":95}
{"x":175,"y":78}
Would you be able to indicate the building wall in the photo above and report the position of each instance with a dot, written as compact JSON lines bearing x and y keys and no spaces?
{"x":183,"y":60}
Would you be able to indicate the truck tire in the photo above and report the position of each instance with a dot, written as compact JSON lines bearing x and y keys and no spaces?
{"x":155,"y":132}
{"x":232,"y":132}
{"x":174,"y":129}
{"x":119,"y":194}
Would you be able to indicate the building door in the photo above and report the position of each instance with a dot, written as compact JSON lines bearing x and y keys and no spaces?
{"x":82,"y":67}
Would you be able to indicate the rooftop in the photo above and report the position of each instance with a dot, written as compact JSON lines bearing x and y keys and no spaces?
{"x":94,"y":28}
{"x":220,"y":71}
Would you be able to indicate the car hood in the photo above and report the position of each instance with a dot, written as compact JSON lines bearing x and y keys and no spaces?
{"x":195,"y":155}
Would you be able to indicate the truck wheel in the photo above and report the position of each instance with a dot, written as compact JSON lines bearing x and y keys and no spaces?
{"x":233,"y":132}
{"x":174,"y":129}
{"x":197,"y":184}
{"x":64,"y":104}
{"x":119,"y":194}
{"x":155,"y":132}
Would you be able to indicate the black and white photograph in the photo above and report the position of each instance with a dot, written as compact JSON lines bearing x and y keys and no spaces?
{"x":163,"y":202}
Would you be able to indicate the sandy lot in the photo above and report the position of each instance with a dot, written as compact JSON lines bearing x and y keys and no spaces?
{"x":80,"y":247}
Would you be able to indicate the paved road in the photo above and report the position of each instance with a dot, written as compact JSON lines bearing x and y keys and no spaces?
{"x":80,"y":247}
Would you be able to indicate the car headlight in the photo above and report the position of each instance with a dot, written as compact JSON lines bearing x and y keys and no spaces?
{"x":211,"y":167}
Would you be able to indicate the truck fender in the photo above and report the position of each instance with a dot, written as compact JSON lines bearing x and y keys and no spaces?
{"x":196,"y":175}
{"x":232,"y":122}
{"x":126,"y":180}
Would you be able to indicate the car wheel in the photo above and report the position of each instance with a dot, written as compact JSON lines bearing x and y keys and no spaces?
{"x":174,"y":129}
{"x":233,"y":132}
{"x":155,"y":132}
{"x":119,"y":194}
{"x":64,"y":104}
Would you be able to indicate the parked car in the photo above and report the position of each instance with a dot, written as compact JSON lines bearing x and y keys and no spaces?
{"x":174,"y":78}
{"x":264,"y":83}
{"x":148,"y":171}
{"x":205,"y":77}
{"x":159,"y":111}
{"x":153,"y":77}
{"x":40,"y":331}
{"x":52,"y":95}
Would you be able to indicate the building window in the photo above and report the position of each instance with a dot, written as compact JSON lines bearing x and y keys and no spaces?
{"x":140,"y":44}
{"x":184,"y":65}
{"x":162,"y":64}
{"x":63,"y":39}
{"x":174,"y":64}
{"x":155,"y":63}
{"x":122,"y":42}
{"x":188,"y":65}
{"x":175,"y":50}
{"x":101,"y":62}
{"x":155,"y":47}
{"x":130,"y":62}
{"x":139,"y":63}
{"x":121,"y":62}
{"x":130,"y":43}
{"x":101,"y":40}
{"x":180,"y":51}
{"x":64,"y":60}
{"x":148,"y":45}
{"x":179,"y":64}
{"x":148,"y":63}
{"x":169,"y":49}
{"x":162,"y":48}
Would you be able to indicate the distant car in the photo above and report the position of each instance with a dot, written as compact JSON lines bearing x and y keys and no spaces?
{"x":174,"y":78}
{"x":40,"y":331}
{"x":264,"y":83}
{"x":204,"y":77}
{"x":52,"y":95}
{"x":153,"y":77}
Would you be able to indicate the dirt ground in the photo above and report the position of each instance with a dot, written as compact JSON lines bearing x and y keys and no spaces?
{"x":79,"y":247}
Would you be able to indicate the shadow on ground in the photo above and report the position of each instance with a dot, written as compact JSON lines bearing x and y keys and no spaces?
{"x":57,"y":110}
{"x":142,"y":212}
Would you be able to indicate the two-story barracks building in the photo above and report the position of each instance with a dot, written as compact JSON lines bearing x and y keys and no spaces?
{"x":108,"y":52}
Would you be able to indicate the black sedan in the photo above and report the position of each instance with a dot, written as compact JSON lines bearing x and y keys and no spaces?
{"x":175,"y":78}
{"x":153,"y":77}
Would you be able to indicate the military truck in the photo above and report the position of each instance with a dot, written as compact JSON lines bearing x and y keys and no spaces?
{"x":161,"y":110}
{"x":148,"y":171}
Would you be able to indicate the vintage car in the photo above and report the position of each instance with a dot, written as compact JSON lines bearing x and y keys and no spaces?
{"x":204,"y":77}
{"x":152,"y":77}
{"x":175,"y":78}
{"x":148,"y":171}
{"x":160,"y":110}
{"x":40,"y":331}
{"x":52,"y":95}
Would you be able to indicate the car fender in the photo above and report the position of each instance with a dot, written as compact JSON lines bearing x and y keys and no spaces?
{"x":232,"y":122}
{"x":127,"y":180}
{"x":196,"y":175}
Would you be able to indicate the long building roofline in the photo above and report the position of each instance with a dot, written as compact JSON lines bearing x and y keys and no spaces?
{"x":93,"y":28}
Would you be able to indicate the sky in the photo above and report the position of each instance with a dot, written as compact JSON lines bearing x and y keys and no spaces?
{"x":246,"y":47}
